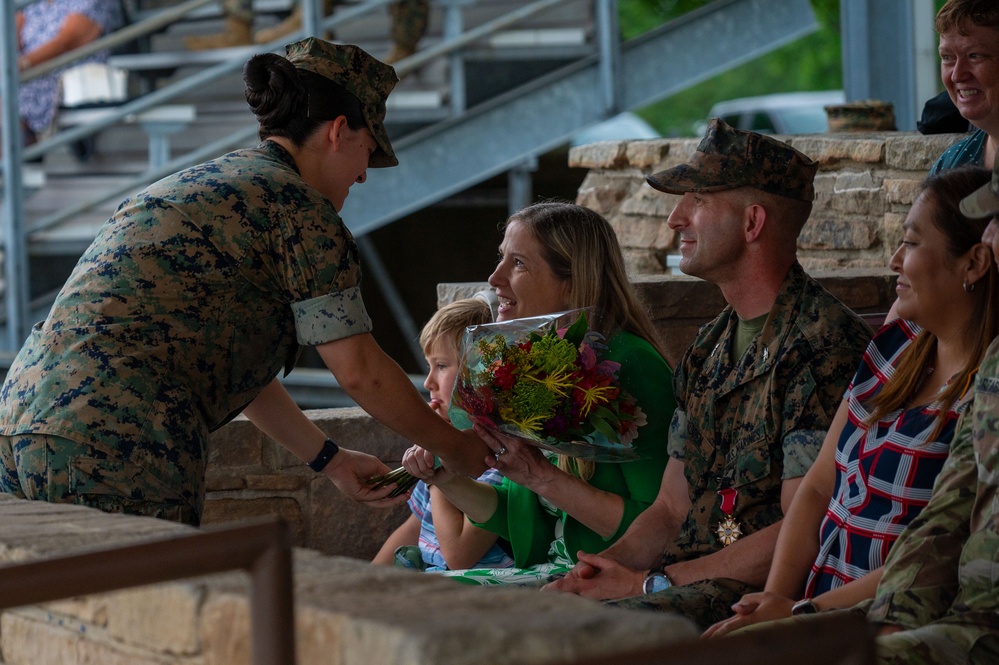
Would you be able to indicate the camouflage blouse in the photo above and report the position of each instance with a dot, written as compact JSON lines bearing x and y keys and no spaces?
{"x":750,"y":425}
{"x":192,"y":298}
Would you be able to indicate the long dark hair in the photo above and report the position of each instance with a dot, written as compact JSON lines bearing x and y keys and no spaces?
{"x":294,"y":103}
{"x":945,"y":191}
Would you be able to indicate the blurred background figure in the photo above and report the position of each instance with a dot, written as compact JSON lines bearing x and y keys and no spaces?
{"x":409,"y":24}
{"x":45,"y":30}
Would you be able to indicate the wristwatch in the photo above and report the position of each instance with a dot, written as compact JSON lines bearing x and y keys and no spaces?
{"x":656,"y":580}
{"x":802,"y":607}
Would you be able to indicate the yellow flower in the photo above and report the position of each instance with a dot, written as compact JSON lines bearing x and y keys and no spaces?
{"x":558,"y":382}
{"x":596,"y":396}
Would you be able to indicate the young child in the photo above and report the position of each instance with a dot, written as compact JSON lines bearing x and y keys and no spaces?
{"x":437,"y":536}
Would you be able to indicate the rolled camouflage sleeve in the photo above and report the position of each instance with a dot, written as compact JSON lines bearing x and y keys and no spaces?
{"x":331,"y":317}
{"x":677,"y":440}
{"x":920,"y":579}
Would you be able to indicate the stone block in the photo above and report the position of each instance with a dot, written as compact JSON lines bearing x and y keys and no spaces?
{"x":448,"y":292}
{"x":866,"y":202}
{"x":680,"y":152}
{"x":863,"y":290}
{"x":849,"y":180}
{"x":828,"y":232}
{"x":347,"y":528}
{"x":646,"y":154}
{"x":829,"y":150}
{"x":237,"y":508}
{"x":223,"y":480}
{"x":642,"y":261}
{"x":603,"y":200}
{"x":239,"y":443}
{"x":32,"y":636}
{"x":276,"y":482}
{"x":161,"y":617}
{"x":902,"y":191}
{"x":909,"y":151}
{"x":640,"y":232}
{"x":892,"y":233}
{"x":649,"y":202}
{"x":599,"y":155}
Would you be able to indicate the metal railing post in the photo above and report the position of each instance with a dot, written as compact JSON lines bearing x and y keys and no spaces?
{"x":609,"y":43}
{"x":312,"y":17}
{"x":14,"y":237}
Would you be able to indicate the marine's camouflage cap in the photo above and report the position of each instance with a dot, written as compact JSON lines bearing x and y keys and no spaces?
{"x":984,"y":201}
{"x":363,"y":76}
{"x":729,"y":158}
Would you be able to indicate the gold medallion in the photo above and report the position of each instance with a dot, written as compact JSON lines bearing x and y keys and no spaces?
{"x":728,"y":531}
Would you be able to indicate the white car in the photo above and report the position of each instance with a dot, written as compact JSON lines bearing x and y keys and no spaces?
{"x":780,"y":113}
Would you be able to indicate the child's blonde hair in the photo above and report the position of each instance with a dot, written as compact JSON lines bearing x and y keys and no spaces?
{"x":449,"y":323}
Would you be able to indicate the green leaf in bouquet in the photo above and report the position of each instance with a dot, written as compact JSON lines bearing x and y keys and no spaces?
{"x":577,"y":331}
{"x":601,"y":426}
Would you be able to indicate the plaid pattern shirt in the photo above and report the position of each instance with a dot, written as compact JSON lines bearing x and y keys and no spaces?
{"x":430,"y":547}
{"x":884,"y":473}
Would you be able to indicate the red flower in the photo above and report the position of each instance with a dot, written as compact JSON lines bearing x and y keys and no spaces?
{"x":504,"y":376}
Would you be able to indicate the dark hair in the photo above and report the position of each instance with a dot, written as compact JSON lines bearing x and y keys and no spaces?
{"x":945,"y":191}
{"x":961,"y":14}
{"x":292,"y":102}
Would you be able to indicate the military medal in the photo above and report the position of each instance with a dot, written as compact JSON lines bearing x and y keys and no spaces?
{"x":728,"y":529}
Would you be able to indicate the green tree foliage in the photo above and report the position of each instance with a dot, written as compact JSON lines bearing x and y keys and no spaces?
{"x":810,"y":63}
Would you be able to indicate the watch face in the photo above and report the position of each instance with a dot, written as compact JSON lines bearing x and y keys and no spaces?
{"x":656,"y":582}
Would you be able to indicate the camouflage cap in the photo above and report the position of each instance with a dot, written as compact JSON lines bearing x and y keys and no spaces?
{"x":984,"y":201}
{"x":729,"y":158}
{"x":363,"y":76}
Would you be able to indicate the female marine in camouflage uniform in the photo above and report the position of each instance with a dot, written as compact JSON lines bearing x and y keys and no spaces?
{"x":199,"y":291}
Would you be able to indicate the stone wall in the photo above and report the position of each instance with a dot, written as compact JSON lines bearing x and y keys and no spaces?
{"x":347,"y":612}
{"x":865,"y":185}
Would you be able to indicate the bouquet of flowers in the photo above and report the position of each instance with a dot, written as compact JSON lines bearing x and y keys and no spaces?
{"x":543,"y":379}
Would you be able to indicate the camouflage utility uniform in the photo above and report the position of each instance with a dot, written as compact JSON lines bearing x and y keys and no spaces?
{"x":752,"y":424}
{"x":941,"y":580}
{"x":192,"y":299}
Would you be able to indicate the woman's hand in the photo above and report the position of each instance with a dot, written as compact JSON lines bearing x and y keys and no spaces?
{"x":753,"y":608}
{"x":517,"y":459}
{"x":351,"y":472}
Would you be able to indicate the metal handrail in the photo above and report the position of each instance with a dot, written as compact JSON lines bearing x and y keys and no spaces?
{"x":262,"y":550}
{"x":403,"y":67}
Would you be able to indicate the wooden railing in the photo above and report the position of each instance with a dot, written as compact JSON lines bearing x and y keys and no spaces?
{"x":262,"y":550}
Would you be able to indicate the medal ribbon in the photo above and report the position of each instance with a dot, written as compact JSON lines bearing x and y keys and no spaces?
{"x":728,"y":497}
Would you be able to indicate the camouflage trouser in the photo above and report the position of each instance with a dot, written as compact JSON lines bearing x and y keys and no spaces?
{"x":409,"y":18}
{"x":705,"y":603}
{"x":940,"y":643}
{"x":50,"y":468}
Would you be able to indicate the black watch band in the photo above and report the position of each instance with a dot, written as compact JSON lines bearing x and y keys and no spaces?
{"x":325,"y":455}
